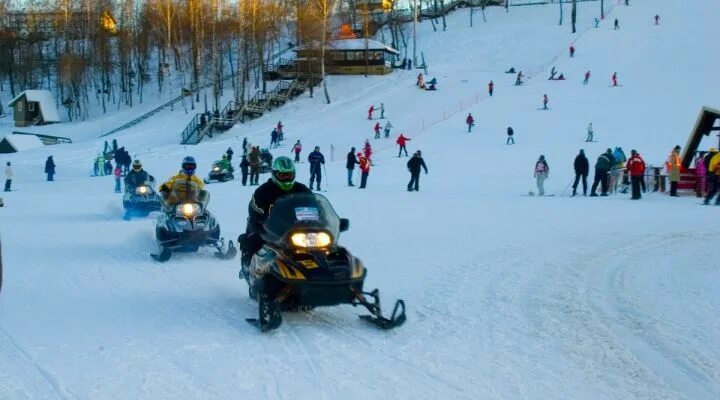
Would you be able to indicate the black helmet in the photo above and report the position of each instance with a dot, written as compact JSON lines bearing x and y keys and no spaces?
{"x":189,"y":165}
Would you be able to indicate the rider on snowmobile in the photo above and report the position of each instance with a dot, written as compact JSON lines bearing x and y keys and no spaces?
{"x":225,"y":164}
{"x":184,"y":186}
{"x":137,"y":176}
{"x":282,"y":183}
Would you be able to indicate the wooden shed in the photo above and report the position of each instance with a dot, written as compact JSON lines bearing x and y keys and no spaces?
{"x":349,"y":57}
{"x":15,"y":143}
{"x":34,"y":107}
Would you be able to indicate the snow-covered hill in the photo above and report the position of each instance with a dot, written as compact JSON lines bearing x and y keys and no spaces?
{"x":509,"y":296}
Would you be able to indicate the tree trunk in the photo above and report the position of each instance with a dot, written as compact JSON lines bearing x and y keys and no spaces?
{"x":573,"y":15}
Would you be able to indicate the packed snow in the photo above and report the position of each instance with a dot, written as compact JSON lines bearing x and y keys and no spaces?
{"x":508,"y":296}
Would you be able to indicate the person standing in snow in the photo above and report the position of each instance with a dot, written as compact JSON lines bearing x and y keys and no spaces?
{"x":470,"y":121}
{"x":401,"y":141}
{"x":364,"y":170}
{"x":279,"y":128}
{"x":420,"y":81}
{"x":545,"y":102}
{"x":572,"y":51}
{"x":602,"y":167}
{"x":597,"y":23}
{"x":377,"y":130}
{"x":254,"y":160}
{"x":244,"y":169}
{"x":297,"y":148}
{"x":274,"y":138}
{"x":409,"y":64}
{"x":712,"y":151}
{"x":614,"y":79}
{"x":382,"y":110}
{"x":590,"y":133}
{"x":371,"y":110}
{"x":587,"y":78}
{"x":674,"y":165}
{"x":510,"y":133}
{"x":350,"y":165}
{"x":657,"y":19}
{"x":367,"y":149}
{"x":388,"y":126}
{"x":50,"y":168}
{"x":118,"y":175}
{"x":617,"y":172}
{"x":413,"y":165}
{"x":229,"y":153}
{"x":491,"y":86}
{"x":8,"y":176}
{"x":316,"y":160}
{"x":636,"y":168}
{"x":518,"y":80}
{"x":617,"y":24}
{"x":714,"y":177}
{"x":582,"y":169}
{"x":542,"y":172}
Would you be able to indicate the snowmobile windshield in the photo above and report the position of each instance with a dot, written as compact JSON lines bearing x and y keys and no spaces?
{"x":301,"y":212}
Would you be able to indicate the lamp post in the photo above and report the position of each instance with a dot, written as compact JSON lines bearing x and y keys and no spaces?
{"x":415,"y":15}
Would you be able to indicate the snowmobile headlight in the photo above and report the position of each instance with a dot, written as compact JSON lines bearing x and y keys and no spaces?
{"x":188,"y":210}
{"x":141,"y":190}
{"x":216,"y":169}
{"x":310,"y":239}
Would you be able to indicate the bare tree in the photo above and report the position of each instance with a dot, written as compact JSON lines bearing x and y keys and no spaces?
{"x":573,"y":15}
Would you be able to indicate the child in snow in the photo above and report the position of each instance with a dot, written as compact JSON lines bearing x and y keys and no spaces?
{"x":510,"y":133}
{"x":382,"y":110}
{"x":388,"y":126}
{"x":589,"y":137}
{"x":8,"y":176}
{"x":377,"y":130}
{"x":470,"y":121}
{"x":545,"y":102}
{"x":370,"y":112}
{"x":572,"y":51}
{"x":368,"y":151}
{"x":542,"y":171}
{"x":297,"y":148}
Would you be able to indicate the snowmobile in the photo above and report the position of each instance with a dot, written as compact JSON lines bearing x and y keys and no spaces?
{"x":266,"y":159}
{"x":187,"y":226}
{"x":141,"y":201}
{"x":301,"y":266}
{"x":219,"y":173}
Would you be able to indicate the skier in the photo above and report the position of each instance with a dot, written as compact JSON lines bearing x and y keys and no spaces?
{"x":582,"y":169}
{"x":572,"y":51}
{"x":636,"y":168}
{"x":413,"y":165}
{"x":274,"y":138}
{"x":8,"y":176}
{"x":254,"y":160}
{"x":297,"y":148}
{"x":136,"y":177}
{"x":542,"y":172}
{"x":674,"y":165}
{"x":229,"y":153}
{"x":364,"y":163}
{"x":382,"y":110}
{"x":280,"y":184}
{"x":401,"y":141}
{"x":350,"y":165}
{"x":367,"y":149}
{"x":510,"y":133}
{"x":590,"y":133}
{"x":183,"y":186}
{"x":50,"y":168}
{"x":118,"y":174}
{"x":244,"y":167}
{"x":316,"y":160}
{"x":470,"y":121}
{"x":370,"y":111}
{"x":518,"y":80}
{"x":587,"y":78}
{"x":491,"y":87}
{"x":614,"y":79}
{"x":657,"y":19}
{"x":602,"y":167}
{"x":714,"y":176}
{"x":388,"y":126}
{"x":377,"y":130}
{"x":617,"y":24}
{"x":545,"y":102}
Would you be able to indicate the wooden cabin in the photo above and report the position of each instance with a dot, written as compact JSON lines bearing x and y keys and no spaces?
{"x":34,"y":107}
{"x":349,"y":57}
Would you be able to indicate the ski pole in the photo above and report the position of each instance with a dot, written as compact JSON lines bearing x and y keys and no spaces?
{"x":567,"y":187}
{"x":327,"y":179}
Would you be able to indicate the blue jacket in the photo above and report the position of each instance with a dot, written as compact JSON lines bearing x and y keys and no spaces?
{"x":315,"y":159}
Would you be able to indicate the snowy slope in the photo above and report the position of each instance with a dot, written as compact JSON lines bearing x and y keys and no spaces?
{"x":509,"y":296}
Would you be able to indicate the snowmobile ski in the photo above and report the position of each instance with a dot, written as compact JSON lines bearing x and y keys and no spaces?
{"x":376,"y":318}
{"x":269,"y":317}
{"x":164,"y":255}
{"x":228,"y":254}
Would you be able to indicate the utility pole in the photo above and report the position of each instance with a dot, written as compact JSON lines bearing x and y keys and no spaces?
{"x":415,"y":17}
{"x":366,"y":32}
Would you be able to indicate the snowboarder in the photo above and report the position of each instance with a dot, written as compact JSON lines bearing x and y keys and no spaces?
{"x":8,"y":176}
{"x":388,"y":126}
{"x":470,"y":121}
{"x":350,"y":165}
{"x":401,"y":141}
{"x":590,"y":133}
{"x":673,"y":165}
{"x":413,"y":165}
{"x":636,"y":168}
{"x":371,"y":110}
{"x":282,"y":183}
{"x":377,"y":130}
{"x":316,"y":160}
{"x":617,"y":24}
{"x":254,"y":160}
{"x":572,"y":51}
{"x":614,"y":79}
{"x":244,"y":169}
{"x":382,"y":110}
{"x":542,"y":172}
{"x":657,"y":19}
{"x":582,"y":169}
{"x":367,"y":149}
{"x":297,"y":148}
{"x":491,"y":87}
{"x":602,"y":167}
{"x":118,"y":175}
{"x":50,"y":168}
{"x":553,"y":72}
{"x":545,"y":102}
{"x":713,"y":176}
{"x":364,"y":170}
{"x":229,"y":153}
{"x":518,"y":80}
{"x":587,"y":78}
{"x":510,"y":133}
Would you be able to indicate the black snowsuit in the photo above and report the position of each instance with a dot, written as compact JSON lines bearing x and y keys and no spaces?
{"x":263,"y":198}
{"x":582,"y":169}
{"x":229,"y":153}
{"x":350,"y":165}
{"x":136,"y":178}
{"x":316,"y":159}
{"x":414,"y":164}
{"x":244,"y":165}
{"x":50,"y":168}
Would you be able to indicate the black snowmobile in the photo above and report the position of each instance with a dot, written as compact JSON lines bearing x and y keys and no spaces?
{"x":141,"y":201}
{"x":220,"y":172}
{"x":301,"y":265}
{"x":266,"y":159}
{"x":187,"y":226}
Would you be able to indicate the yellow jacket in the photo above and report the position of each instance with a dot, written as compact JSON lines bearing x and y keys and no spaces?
{"x":182,"y":187}
{"x":715,"y":164}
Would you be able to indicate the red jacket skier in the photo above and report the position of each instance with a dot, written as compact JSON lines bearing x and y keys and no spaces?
{"x":470,"y":121}
{"x":370,"y":111}
{"x":377,"y":130}
{"x":635,"y":165}
{"x":401,"y":141}
{"x":368,"y":151}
